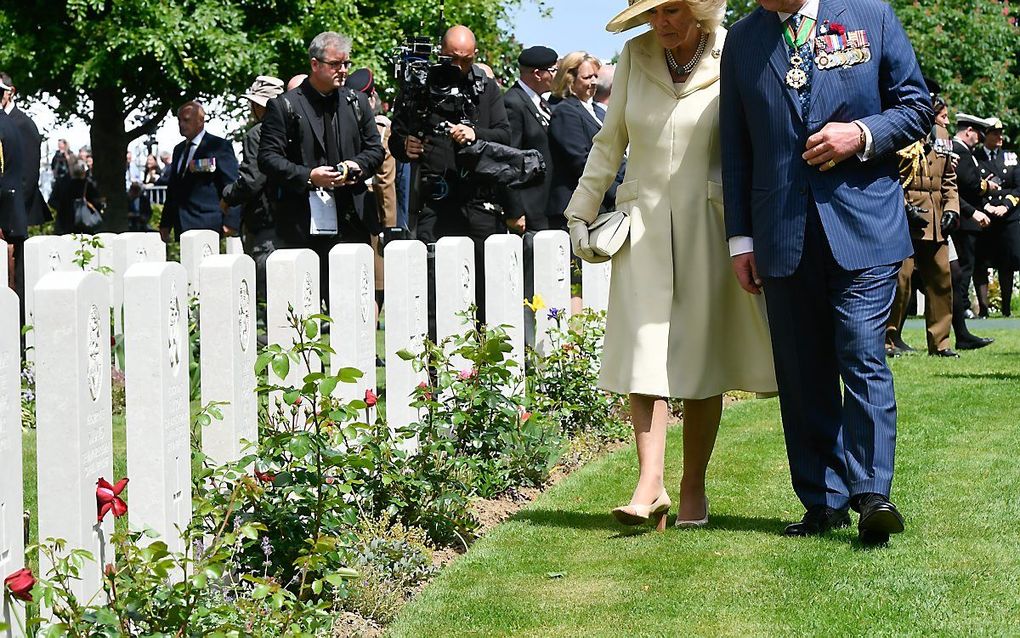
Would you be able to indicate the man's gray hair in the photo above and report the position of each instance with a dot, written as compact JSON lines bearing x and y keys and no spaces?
{"x":326,"y":40}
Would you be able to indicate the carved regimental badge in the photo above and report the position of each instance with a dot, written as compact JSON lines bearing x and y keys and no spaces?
{"x":174,"y":353}
{"x":94,"y":371}
{"x":244,"y":314}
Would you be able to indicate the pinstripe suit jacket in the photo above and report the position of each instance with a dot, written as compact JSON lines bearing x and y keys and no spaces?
{"x":767,"y":185}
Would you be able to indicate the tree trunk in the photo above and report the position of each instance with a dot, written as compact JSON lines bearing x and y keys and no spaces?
{"x":109,"y":152}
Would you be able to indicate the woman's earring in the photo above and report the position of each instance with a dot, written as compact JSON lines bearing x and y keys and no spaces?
{"x":698,"y":25}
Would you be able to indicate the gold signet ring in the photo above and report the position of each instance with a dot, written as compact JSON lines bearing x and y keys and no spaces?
{"x":830,"y":164}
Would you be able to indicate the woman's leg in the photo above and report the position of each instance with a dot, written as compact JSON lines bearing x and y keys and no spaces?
{"x":701,"y":425}
{"x":648,"y":415}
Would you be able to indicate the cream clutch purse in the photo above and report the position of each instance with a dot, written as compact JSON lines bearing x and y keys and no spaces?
{"x":607,"y":232}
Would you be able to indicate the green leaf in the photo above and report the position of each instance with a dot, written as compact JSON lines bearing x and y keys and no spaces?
{"x":327,"y":385}
{"x":281,"y":365}
{"x":339,"y":576}
{"x":260,"y":591}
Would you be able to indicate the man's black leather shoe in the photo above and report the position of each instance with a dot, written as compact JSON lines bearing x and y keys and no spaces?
{"x":944,"y":353}
{"x":974,"y":343}
{"x":879,"y":519}
{"x":902,"y":346}
{"x":818,"y":520}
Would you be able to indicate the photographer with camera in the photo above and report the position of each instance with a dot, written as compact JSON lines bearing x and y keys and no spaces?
{"x":932,"y":207}
{"x":436,"y":114}
{"x":319,"y":144}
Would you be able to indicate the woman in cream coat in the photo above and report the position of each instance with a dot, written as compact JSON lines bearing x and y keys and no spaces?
{"x":678,"y":324}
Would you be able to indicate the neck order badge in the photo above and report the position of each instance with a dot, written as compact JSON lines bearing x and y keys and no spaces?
{"x":797,"y":33}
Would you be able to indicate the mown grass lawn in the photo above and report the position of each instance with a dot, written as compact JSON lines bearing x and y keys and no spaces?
{"x":563,"y":568}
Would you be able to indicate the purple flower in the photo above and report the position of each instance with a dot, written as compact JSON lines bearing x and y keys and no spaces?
{"x":554,"y":313}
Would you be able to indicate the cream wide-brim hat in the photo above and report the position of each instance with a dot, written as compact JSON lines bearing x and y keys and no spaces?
{"x":633,"y":16}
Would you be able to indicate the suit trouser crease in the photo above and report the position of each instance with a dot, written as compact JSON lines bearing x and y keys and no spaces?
{"x":828,"y":324}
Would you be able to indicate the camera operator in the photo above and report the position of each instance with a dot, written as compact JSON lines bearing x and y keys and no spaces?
{"x":319,"y":144}
{"x":450,"y":202}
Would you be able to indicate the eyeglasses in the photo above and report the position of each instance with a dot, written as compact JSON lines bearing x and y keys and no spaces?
{"x":336,"y":65}
{"x":554,"y":70}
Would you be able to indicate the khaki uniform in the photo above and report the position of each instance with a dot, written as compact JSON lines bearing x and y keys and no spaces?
{"x":929,"y":182}
{"x":384,"y":186}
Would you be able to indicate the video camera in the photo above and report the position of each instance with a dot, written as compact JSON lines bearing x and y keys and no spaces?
{"x":431,"y":85}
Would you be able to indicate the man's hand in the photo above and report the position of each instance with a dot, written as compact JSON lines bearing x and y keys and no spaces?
{"x":462,"y":134}
{"x":516,"y":225}
{"x":981,"y":219}
{"x":164,"y":234}
{"x":747,"y":273}
{"x":833,"y":144}
{"x":997,"y":211}
{"x":325,"y":177}
{"x":413,"y":147}
{"x":228,"y":231}
{"x":354,"y":172}
{"x":992,"y":185}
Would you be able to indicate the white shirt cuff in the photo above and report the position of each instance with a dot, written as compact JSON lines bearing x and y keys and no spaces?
{"x":869,"y":142}
{"x":740,"y":244}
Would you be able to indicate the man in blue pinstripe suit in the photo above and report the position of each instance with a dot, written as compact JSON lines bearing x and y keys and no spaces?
{"x":816,"y":97}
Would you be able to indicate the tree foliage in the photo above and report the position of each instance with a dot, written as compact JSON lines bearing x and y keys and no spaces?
{"x":103,"y":60}
{"x":971,"y":47}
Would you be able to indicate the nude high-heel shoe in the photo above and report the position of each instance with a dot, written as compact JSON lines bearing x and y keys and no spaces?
{"x":637,"y":514}
{"x":689,"y":524}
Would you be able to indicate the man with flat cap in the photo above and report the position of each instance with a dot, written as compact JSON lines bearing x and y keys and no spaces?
{"x":970,"y":130}
{"x":249,"y":191}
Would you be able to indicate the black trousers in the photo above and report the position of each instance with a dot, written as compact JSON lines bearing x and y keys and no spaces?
{"x":966,"y":251}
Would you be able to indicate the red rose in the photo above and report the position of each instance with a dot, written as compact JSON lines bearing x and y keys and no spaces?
{"x":265,"y":477}
{"x":108,"y":498}
{"x":525,"y":415}
{"x":425,"y":391}
{"x":20,"y":583}
{"x":370,"y":398}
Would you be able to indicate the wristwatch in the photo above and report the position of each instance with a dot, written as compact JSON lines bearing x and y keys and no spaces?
{"x":863,"y":140}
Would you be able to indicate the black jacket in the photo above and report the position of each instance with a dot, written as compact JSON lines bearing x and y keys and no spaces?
{"x":968,"y":184}
{"x":193,"y":195}
{"x":1005,"y":174}
{"x":248,"y":191}
{"x":65,"y":192}
{"x":292,"y":145}
{"x":13,"y":221}
{"x":529,"y":129}
{"x":571,"y":132}
{"x":35,"y":206}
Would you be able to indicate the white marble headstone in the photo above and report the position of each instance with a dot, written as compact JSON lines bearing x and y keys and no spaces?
{"x":196,"y":245}
{"x":595,"y":285}
{"x":43,"y":254}
{"x":130,"y":249}
{"x":504,"y":296}
{"x":74,"y":417}
{"x":12,"y":543}
{"x":352,"y":309}
{"x":455,"y":289}
{"x":292,"y":282}
{"x":233,"y":246}
{"x":227,"y":328}
{"x":552,"y":282}
{"x":4,"y":266}
{"x":407,"y":326}
{"x":158,"y":403}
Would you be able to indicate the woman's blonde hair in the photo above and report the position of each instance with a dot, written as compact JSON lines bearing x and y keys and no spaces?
{"x":709,"y":13}
{"x":567,"y":73}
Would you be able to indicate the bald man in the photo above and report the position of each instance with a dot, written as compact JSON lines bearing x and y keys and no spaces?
{"x":447,"y":203}
{"x":201,"y":167}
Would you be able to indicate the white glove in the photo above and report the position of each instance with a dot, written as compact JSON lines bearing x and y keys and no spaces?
{"x":579,"y":242}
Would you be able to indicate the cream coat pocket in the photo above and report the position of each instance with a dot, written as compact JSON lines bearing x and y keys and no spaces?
{"x":626,"y":192}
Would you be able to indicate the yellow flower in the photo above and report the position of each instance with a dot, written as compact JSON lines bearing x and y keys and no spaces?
{"x":536,"y":303}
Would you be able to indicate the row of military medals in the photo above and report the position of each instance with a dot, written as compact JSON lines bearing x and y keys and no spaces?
{"x":834,"y":47}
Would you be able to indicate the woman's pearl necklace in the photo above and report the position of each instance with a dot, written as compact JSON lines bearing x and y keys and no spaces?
{"x":685,"y":69}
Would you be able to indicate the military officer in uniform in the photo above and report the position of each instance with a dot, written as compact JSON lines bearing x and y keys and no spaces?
{"x":971,"y":188}
{"x":933,"y":209}
{"x":1001,"y":175}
